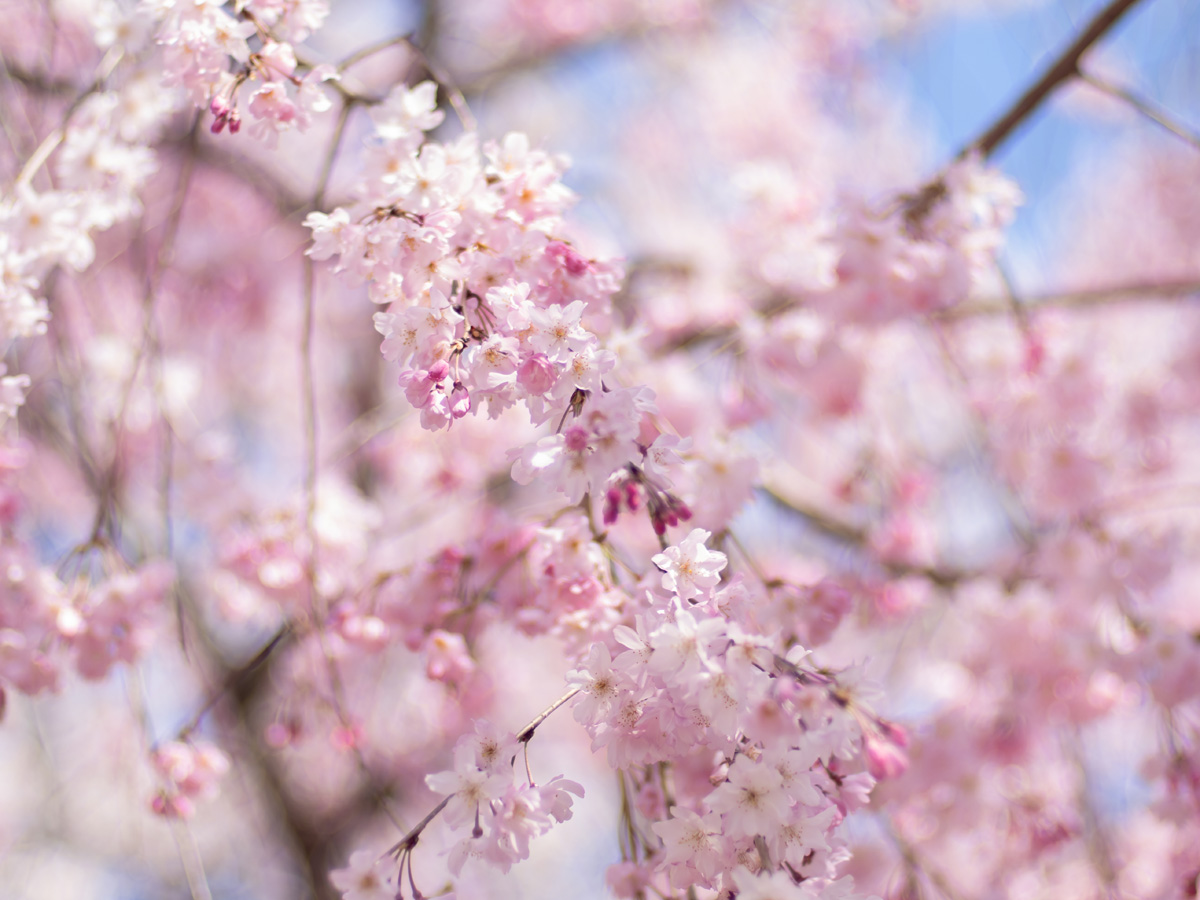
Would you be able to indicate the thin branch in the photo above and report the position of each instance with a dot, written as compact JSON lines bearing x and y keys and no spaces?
{"x":776,"y":305}
{"x":1066,"y":66}
{"x":1072,"y":299}
{"x":1143,"y":106}
{"x":55,"y":137}
{"x":916,"y":864}
{"x":410,"y":840}
{"x":308,"y":379}
{"x":371,"y":49}
{"x":844,"y":532}
{"x":193,"y":864}
{"x":235,"y":678}
{"x":526,"y":733}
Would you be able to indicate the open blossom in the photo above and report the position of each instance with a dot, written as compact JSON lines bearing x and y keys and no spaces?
{"x":685,"y":647}
{"x":468,"y":785}
{"x":364,"y":878}
{"x":802,"y":836}
{"x":690,"y":569}
{"x":692,"y":842}
{"x":601,"y":687}
{"x":753,"y":800}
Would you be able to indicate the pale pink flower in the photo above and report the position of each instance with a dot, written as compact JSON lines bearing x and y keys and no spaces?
{"x":468,"y":786}
{"x":364,"y":878}
{"x":692,"y":843}
{"x":753,"y":800}
{"x":690,"y":569}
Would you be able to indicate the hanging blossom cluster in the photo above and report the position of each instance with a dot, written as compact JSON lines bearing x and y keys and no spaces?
{"x":103,"y":615}
{"x":98,"y":161}
{"x":865,"y":269}
{"x":486,"y":307}
{"x":47,"y":624}
{"x":212,"y":52}
{"x":504,"y":810}
{"x":741,"y":761}
{"x":100,"y":169}
{"x":924,"y":255}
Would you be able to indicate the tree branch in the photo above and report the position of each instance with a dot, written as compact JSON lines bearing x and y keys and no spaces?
{"x":1066,"y":66}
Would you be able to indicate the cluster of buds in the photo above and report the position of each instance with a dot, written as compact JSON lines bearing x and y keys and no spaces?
{"x":632,"y":488}
{"x":225,"y":112}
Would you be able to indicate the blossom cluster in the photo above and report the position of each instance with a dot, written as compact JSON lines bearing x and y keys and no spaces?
{"x":203,"y":41}
{"x":827,"y":524}
{"x":483,"y":789}
{"x":766,"y":755}
{"x":486,"y":307}
{"x":46,"y":623}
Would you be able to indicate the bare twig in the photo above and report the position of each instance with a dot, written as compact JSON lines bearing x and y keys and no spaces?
{"x":54,"y":138}
{"x":1143,"y":106}
{"x":234,"y":679}
{"x":526,"y":733}
{"x":1062,"y":69}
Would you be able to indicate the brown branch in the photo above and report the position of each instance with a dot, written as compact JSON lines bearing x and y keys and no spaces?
{"x":1073,"y":299}
{"x":844,"y":532}
{"x":235,"y":679}
{"x":526,"y":734}
{"x":777,"y":305}
{"x":1066,"y":66}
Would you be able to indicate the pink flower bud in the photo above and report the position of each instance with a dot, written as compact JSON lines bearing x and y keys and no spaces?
{"x":570,"y":258}
{"x":612,"y":505}
{"x":536,"y":374}
{"x":460,"y":401}
{"x":897,"y":734}
{"x":884,"y":759}
{"x":577,"y":439}
{"x":633,"y":496}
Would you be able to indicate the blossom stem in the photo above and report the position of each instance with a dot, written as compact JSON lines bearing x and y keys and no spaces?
{"x":526,"y":733}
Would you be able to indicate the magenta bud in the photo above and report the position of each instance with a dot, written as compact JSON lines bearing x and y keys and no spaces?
{"x":577,"y":439}
{"x":633,"y":496}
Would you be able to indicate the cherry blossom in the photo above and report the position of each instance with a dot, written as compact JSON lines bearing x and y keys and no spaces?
{"x":350,"y":432}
